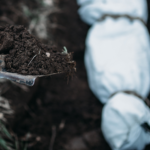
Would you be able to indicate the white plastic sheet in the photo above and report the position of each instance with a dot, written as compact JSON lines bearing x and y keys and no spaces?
{"x":117,"y":58}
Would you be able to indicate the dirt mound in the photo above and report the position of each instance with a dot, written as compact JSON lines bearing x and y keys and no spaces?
{"x":29,"y":56}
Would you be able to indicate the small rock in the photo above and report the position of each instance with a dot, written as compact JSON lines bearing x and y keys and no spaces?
{"x":48,"y":54}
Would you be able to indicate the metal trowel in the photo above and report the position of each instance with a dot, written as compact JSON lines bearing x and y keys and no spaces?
{"x":28,"y":80}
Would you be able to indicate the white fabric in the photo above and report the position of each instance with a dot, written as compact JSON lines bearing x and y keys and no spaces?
{"x":92,"y":10}
{"x":122,"y":118}
{"x":117,"y":58}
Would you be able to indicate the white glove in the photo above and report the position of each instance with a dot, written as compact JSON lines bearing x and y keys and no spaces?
{"x":117,"y":58}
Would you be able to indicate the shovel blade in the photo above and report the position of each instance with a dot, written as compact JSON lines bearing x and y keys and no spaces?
{"x":22,"y":79}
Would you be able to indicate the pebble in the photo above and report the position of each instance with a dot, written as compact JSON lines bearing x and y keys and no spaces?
{"x":48,"y":54}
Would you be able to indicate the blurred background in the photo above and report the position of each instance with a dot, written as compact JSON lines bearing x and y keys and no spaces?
{"x":53,"y":114}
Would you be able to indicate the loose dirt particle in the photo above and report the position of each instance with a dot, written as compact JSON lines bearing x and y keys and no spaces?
{"x":48,"y":54}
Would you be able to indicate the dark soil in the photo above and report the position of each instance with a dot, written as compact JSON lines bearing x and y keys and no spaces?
{"x":28,"y":56}
{"x":11,"y":11}
{"x":70,"y":31}
{"x":52,"y":110}
{"x":11,"y":14}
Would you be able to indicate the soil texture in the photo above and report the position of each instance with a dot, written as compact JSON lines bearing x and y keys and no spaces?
{"x":28,"y":56}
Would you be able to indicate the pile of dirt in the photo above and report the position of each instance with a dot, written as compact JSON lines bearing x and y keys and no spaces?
{"x":29,"y":56}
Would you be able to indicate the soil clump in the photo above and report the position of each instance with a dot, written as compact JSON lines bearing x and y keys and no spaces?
{"x":28,"y":56}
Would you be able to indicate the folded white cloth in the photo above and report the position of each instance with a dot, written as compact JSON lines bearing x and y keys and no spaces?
{"x":117,"y":58}
{"x":121,"y":122}
{"x":92,"y":10}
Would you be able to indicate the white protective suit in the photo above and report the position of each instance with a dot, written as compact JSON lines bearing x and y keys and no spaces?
{"x":117,"y":58}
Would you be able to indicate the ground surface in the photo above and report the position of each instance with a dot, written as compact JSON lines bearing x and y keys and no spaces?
{"x":56,"y":114}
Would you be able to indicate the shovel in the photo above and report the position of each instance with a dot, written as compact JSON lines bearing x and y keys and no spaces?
{"x":28,"y":80}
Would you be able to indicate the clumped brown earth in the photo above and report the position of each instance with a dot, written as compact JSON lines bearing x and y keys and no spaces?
{"x":55,"y":114}
{"x":28,"y":56}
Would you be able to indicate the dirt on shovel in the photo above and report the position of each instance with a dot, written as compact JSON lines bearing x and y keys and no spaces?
{"x":26,"y":55}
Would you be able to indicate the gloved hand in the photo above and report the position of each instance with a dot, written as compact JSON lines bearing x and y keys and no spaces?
{"x":117,"y":58}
